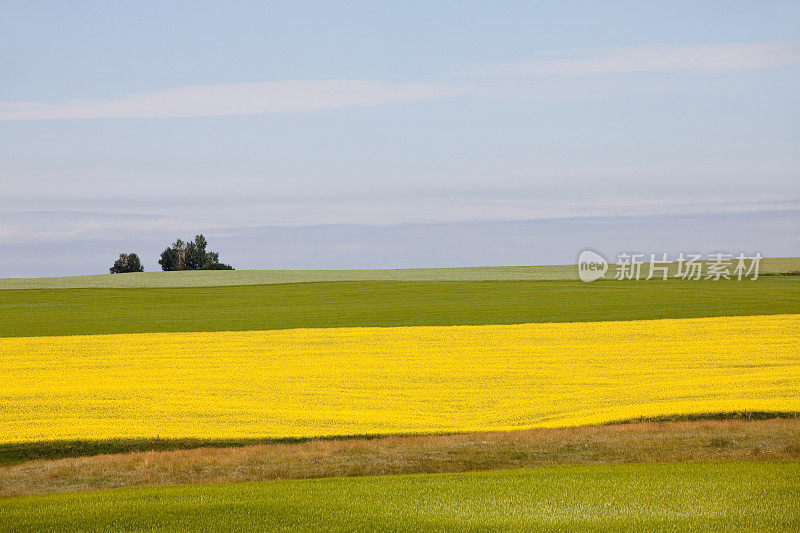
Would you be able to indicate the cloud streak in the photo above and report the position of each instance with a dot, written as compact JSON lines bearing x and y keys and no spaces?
{"x":643,"y":59}
{"x":233,"y":99}
{"x":293,"y":96}
{"x":52,"y":226}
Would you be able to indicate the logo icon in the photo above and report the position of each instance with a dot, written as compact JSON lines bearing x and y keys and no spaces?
{"x":591,"y":266}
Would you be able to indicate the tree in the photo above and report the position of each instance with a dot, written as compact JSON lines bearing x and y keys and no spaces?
{"x":173,"y":257}
{"x":191,"y":255}
{"x":126,"y":263}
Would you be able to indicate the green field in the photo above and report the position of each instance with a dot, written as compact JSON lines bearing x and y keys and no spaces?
{"x":636,"y":497}
{"x":36,"y":312}
{"x":756,"y":495}
{"x":211,"y":278}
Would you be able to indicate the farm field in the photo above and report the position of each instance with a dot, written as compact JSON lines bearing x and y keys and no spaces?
{"x":27,"y":313}
{"x":675,"y":497}
{"x":353,"y":381}
{"x":277,"y":383}
{"x":222,"y":278}
{"x":209,"y":278}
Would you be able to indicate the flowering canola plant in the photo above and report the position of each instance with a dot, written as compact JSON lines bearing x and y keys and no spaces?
{"x":375,"y":380}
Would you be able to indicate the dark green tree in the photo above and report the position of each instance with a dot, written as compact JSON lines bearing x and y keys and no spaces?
{"x":173,"y":257}
{"x":191,"y":255}
{"x":126,"y":263}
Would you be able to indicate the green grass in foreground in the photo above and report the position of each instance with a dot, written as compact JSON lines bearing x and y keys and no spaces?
{"x":36,"y":312}
{"x":636,"y":497}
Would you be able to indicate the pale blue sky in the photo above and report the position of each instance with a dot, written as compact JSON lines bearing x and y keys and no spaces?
{"x":129,"y":124}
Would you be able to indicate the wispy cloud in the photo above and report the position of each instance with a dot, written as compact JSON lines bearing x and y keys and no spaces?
{"x":642,"y":59}
{"x":54,"y":226}
{"x":286,"y":96}
{"x":233,"y":99}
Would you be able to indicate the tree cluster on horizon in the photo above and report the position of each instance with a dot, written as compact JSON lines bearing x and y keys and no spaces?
{"x":126,"y":263}
{"x":191,"y":255}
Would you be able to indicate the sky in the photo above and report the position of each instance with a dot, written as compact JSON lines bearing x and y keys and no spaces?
{"x":396,"y":134}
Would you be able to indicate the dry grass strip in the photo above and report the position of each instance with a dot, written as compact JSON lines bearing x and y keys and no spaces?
{"x":707,"y":440}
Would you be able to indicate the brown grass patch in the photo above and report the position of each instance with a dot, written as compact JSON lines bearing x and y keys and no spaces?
{"x":705,"y":440}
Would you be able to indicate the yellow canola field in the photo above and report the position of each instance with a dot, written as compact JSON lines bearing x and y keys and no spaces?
{"x":312,"y":382}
